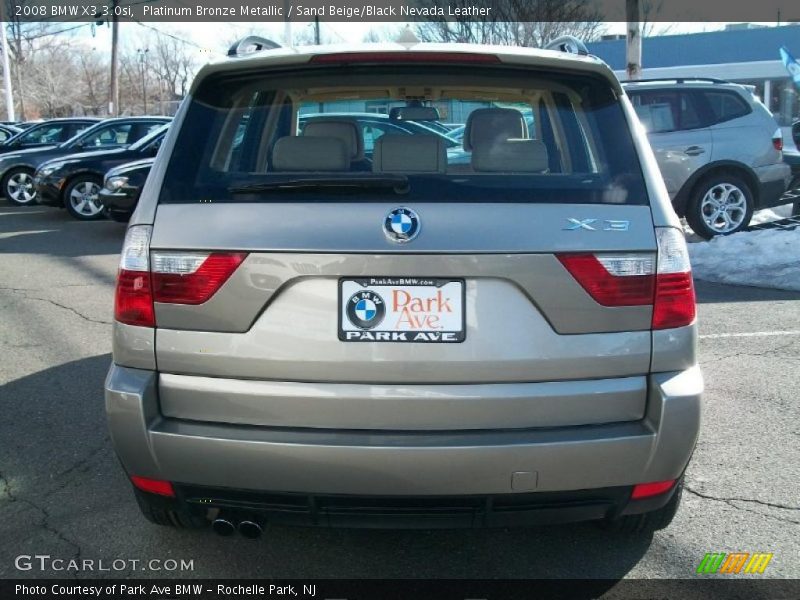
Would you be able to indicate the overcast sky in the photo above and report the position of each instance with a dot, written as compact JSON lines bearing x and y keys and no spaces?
{"x":213,"y":36}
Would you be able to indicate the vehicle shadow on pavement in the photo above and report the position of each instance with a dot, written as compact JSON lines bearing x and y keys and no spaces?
{"x":55,"y":232}
{"x":714,"y":293}
{"x":63,"y":493}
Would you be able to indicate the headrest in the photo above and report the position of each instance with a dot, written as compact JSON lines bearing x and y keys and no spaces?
{"x":300,"y":153}
{"x":514,"y":156}
{"x":414,"y":113}
{"x":486,"y":124}
{"x":345,"y":129}
{"x":409,"y":153}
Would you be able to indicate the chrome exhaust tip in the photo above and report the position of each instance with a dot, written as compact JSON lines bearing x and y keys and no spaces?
{"x":250,"y":529}
{"x":223,"y":527}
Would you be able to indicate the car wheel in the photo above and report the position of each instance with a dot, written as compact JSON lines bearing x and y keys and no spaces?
{"x":82,"y":200}
{"x":649,"y":522}
{"x":157,"y":510}
{"x":18,"y":187}
{"x":720,"y":205}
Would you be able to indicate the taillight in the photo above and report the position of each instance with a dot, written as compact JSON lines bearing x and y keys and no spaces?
{"x":777,"y":140}
{"x":663,"y":281}
{"x":674,"y":304}
{"x":405,"y":57}
{"x":168,"y":277}
{"x":614,"y":279}
{"x":133,"y":300}
{"x":191,"y":278}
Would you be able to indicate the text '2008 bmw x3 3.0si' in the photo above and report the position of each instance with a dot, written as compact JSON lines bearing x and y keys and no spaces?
{"x":357,"y":324}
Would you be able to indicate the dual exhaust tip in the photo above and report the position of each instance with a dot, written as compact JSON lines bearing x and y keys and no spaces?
{"x":247,"y":529}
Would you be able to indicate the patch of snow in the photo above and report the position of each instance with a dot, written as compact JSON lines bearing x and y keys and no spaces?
{"x":769,"y":258}
{"x":771,"y":214}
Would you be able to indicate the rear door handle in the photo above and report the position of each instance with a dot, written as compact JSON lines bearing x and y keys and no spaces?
{"x":694,"y":150}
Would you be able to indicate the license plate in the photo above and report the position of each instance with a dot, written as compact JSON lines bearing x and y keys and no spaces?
{"x":401,"y":309}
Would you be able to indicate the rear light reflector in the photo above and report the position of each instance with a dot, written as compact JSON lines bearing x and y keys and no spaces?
{"x":614,"y":280}
{"x":641,"y":279}
{"x":191,"y":278}
{"x":777,"y":140}
{"x":405,"y":57}
{"x":153,"y":486}
{"x":648,"y":490}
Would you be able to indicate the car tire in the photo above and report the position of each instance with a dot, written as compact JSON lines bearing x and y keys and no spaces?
{"x":17,"y":186}
{"x":158,"y":511}
{"x":647,"y":523}
{"x":81,"y":198}
{"x":720,"y":205}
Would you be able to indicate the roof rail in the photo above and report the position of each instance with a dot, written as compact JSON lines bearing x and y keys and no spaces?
{"x":251,"y":43}
{"x":676,"y":80}
{"x":567,"y":43}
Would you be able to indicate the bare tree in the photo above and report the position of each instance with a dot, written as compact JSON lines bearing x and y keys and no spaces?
{"x":515,"y":22}
{"x":174,"y":62}
{"x":385,"y":33}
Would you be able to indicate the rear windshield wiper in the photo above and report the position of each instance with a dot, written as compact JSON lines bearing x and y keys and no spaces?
{"x":398,"y":183}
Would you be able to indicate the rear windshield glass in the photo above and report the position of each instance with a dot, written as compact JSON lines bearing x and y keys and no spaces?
{"x":427,"y":133}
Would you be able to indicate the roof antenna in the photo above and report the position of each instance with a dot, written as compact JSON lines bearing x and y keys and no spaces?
{"x":407,"y":38}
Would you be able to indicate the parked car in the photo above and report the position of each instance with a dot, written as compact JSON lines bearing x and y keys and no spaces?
{"x":121,"y":189}
{"x":46,"y":134}
{"x":7,"y":132}
{"x":74,"y":181}
{"x":373,"y":125}
{"x":17,"y":168}
{"x":297,"y":340}
{"x":718,"y":148}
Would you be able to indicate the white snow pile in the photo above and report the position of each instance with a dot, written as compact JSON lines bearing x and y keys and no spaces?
{"x":768,"y":258}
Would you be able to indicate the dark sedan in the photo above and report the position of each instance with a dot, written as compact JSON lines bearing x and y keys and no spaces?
{"x":73,"y":181}
{"x":7,"y":132}
{"x":17,"y":168}
{"x":45,"y":134}
{"x":122,"y":187}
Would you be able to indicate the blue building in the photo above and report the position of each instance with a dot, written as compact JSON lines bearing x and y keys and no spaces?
{"x":742,"y":53}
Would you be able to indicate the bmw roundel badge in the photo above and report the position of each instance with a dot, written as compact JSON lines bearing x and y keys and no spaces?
{"x":365,"y":309}
{"x":401,"y":225}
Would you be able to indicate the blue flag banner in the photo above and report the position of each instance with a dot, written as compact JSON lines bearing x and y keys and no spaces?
{"x":791,"y":64}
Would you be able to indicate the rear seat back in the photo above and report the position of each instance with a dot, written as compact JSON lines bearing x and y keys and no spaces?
{"x":409,"y":153}
{"x":518,"y":156}
{"x":301,"y":153}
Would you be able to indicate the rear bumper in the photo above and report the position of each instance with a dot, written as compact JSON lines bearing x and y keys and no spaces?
{"x":473,"y":511}
{"x":404,"y":463}
{"x":773,"y":180}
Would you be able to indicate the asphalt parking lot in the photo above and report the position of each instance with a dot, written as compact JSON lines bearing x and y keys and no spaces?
{"x":63,"y":494}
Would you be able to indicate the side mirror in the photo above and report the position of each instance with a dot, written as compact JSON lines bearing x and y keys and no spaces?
{"x":796,"y":134}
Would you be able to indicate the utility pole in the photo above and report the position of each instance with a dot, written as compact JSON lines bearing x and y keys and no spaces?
{"x":287,"y":24}
{"x":6,"y":64}
{"x":316,"y":30}
{"x":113,"y":101}
{"x":143,"y":63}
{"x":633,"y":53}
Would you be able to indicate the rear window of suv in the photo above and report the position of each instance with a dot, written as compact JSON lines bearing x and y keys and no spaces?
{"x":312,"y":134}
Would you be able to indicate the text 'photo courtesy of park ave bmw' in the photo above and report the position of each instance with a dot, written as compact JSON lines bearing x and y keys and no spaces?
{"x":432,"y":307}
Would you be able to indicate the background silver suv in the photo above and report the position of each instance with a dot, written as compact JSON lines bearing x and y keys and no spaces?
{"x":718,"y":148}
{"x":309,"y":333}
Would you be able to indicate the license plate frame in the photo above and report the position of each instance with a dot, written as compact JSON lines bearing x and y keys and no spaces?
{"x":352,"y":329}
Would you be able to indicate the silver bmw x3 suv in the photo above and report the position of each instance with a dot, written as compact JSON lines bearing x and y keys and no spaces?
{"x":718,"y":147}
{"x":314,"y":330}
